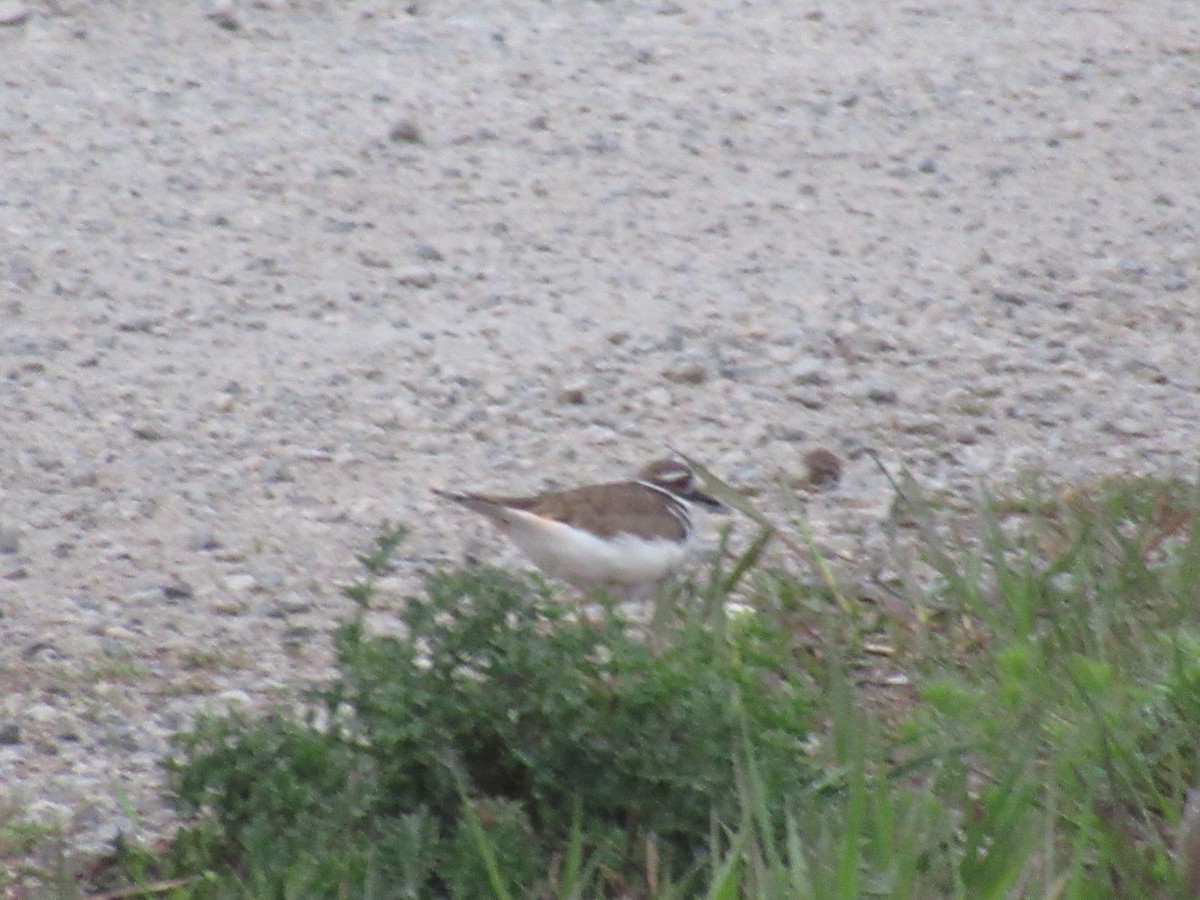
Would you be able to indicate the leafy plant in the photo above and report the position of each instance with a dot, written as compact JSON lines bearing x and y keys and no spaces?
{"x":1021,"y":718}
{"x":497,"y":713}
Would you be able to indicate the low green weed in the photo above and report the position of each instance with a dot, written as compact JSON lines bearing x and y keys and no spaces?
{"x":1037,"y":734}
{"x":501,"y":716}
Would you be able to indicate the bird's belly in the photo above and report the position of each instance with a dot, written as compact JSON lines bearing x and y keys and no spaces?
{"x":584,"y":559}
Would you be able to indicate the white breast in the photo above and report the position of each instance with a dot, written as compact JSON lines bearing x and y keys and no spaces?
{"x":589,"y":561}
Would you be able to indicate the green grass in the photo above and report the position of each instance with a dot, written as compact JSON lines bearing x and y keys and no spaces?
{"x":1016,"y":715}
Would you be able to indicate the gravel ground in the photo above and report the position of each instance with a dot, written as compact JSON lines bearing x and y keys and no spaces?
{"x":270,"y":271}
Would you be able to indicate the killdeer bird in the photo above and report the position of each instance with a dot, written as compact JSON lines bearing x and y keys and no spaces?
{"x":624,"y":535}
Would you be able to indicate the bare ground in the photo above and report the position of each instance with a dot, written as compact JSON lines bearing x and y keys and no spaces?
{"x":270,"y":271}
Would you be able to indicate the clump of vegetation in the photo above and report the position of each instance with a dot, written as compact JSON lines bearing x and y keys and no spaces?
{"x":1019,"y":716}
{"x":499,"y":716}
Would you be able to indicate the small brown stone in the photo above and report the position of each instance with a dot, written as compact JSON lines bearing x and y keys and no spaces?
{"x":573,"y":393}
{"x":405,"y":131}
{"x":823,"y":467}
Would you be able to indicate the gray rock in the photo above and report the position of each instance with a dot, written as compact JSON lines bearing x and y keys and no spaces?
{"x":573,"y":393}
{"x":1176,"y":281}
{"x":880,"y":390}
{"x":687,"y":369}
{"x":149,"y":431}
{"x":175,"y":589}
{"x":222,"y":12}
{"x":13,"y":12}
{"x":789,"y":431}
{"x":415,"y":276}
{"x":277,"y":471}
{"x":241,"y":583}
{"x":1014,"y":295}
{"x":808,"y":371}
{"x":10,"y":540}
{"x":293,"y":603}
{"x":373,"y":259}
{"x":203,"y":540}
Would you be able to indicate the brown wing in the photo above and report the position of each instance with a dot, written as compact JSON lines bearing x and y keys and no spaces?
{"x":623,"y":507}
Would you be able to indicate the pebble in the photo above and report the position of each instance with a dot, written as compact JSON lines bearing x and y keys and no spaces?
{"x":687,"y":370}
{"x":270,"y":579}
{"x":234,"y":698}
{"x":782,"y":355}
{"x":149,"y":431}
{"x":1068,"y":130}
{"x":880,"y":391}
{"x":659,"y":396}
{"x":965,"y":436}
{"x":573,"y":393}
{"x":177,"y":589}
{"x":13,"y":12}
{"x":373,"y":259}
{"x":121,"y":736}
{"x":405,"y":131}
{"x":116,"y":642}
{"x":415,"y":276}
{"x":822,"y":467}
{"x":808,"y":372}
{"x":203,"y":540}
{"x":140,"y":324}
{"x":10,"y":734}
{"x":618,"y":336}
{"x":791,"y":432}
{"x":276,"y":471}
{"x":229,"y":606}
{"x":48,"y":812}
{"x":807,"y":399}
{"x":293,"y":603}
{"x":240,"y":583}
{"x":10,"y":540}
{"x":1013,"y":295}
{"x":42,"y":714}
{"x":930,"y":424}
{"x":1127,"y":427}
{"x":222,"y":12}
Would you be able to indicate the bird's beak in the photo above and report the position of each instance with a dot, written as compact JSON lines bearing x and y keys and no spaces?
{"x":698,"y":496}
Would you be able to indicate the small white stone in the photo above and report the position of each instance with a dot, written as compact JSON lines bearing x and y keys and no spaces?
{"x":659,"y":396}
{"x":495,"y":391}
{"x":240,"y":583}
{"x":234,"y":697}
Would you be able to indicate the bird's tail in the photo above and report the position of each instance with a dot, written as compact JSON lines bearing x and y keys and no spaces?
{"x":483,"y":505}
